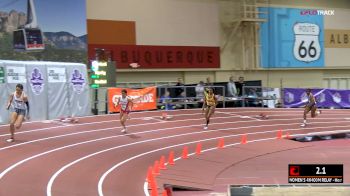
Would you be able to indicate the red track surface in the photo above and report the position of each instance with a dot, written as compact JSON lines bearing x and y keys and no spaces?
{"x":72,"y":159}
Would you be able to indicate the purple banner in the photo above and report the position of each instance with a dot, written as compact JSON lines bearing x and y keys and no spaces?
{"x":296,"y":97}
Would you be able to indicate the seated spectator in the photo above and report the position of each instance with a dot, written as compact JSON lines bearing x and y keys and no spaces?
{"x":166,"y":100}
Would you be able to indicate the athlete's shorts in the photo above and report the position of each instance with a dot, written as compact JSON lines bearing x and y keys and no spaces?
{"x":124,"y":111}
{"x":311,"y":108}
{"x":20,"y":111}
{"x":212,"y":106}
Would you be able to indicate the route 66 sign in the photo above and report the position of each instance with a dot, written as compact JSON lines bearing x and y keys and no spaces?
{"x":306,"y":44}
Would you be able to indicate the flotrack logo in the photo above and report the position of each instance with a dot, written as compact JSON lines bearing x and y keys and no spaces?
{"x":317,"y":12}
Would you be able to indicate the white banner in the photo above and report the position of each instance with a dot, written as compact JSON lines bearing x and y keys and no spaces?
{"x":16,"y":74}
{"x":56,"y":74}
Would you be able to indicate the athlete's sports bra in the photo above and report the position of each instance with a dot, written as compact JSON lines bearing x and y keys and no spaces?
{"x":19,"y":103}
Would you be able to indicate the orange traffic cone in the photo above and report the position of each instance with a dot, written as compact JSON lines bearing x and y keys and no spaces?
{"x":279,"y":134}
{"x":171,"y":158}
{"x":185,"y":153}
{"x":156,"y":168}
{"x":198,"y":149}
{"x":221,"y":143}
{"x":154,"y":188}
{"x":165,"y":193}
{"x":150,"y":176}
{"x":162,"y":163}
{"x":244,"y":139}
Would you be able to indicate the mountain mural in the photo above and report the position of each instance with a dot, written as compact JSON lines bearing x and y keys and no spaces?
{"x":59,"y":46}
{"x":64,"y":40}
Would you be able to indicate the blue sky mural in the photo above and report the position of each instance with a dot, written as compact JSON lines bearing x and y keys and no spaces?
{"x":61,"y":22}
{"x":54,"y":15}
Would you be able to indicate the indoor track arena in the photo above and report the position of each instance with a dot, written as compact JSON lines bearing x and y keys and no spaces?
{"x":174,"y":98}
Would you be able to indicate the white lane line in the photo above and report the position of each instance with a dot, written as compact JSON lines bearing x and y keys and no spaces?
{"x":142,"y":118}
{"x":91,"y":123}
{"x":153,"y":123}
{"x":180,"y":110}
{"x":49,"y":187}
{"x":89,"y":141}
{"x":169,"y":128}
{"x":240,"y":116}
{"x":80,"y":124}
{"x":246,"y":121}
{"x":101,"y":122}
{"x":136,"y":125}
{"x":103,"y":177}
{"x":2,"y":174}
{"x":145,"y":185}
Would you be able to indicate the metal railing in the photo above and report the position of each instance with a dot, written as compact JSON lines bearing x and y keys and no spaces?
{"x":144,"y":84}
{"x":187,"y":95}
{"x":192,"y":97}
{"x":259,"y":96}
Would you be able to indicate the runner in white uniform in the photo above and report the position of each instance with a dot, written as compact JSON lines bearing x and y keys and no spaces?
{"x":20,"y":106}
{"x":125,"y":103}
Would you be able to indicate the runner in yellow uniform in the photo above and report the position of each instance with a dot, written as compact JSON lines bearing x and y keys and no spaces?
{"x":209,"y":105}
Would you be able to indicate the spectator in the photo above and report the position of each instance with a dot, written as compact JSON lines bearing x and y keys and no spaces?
{"x":209,"y":83}
{"x":179,"y":90}
{"x":200,"y":90}
{"x":181,"y":98}
{"x":231,"y":88}
{"x":166,"y":99}
{"x":240,"y":85}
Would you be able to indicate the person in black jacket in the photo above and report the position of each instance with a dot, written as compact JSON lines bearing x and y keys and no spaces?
{"x":240,"y":85}
{"x":179,"y":90}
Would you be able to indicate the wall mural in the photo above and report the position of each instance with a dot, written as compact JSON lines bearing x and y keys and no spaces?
{"x":292,"y":38}
{"x":43,"y":30}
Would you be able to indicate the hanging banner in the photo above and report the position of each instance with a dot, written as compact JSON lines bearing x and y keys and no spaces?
{"x":296,"y":97}
{"x":37,"y":90}
{"x":143,"y":99}
{"x":56,"y":74}
{"x":4,"y":95}
{"x":78,"y":90}
{"x":16,"y":74}
{"x":161,"y":57}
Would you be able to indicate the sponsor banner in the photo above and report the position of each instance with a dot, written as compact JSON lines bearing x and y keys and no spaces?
{"x":296,"y":97}
{"x":16,"y":74}
{"x":56,"y":74}
{"x":161,"y":57}
{"x":143,"y":99}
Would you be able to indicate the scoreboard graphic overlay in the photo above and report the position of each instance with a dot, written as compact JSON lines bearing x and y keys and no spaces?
{"x":315,"y":173}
